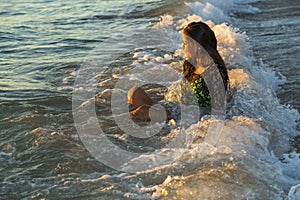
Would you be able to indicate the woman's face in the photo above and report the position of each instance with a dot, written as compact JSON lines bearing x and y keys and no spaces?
{"x":195,"y":53}
{"x":186,"y":46}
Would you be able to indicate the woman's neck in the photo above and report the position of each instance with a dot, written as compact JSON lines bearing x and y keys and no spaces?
{"x":202,"y":64}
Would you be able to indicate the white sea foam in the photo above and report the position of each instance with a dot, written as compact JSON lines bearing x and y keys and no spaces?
{"x":294,"y":193}
{"x":256,"y":133}
{"x":208,"y":12}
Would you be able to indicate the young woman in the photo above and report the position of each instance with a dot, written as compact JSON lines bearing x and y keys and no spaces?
{"x":200,"y":48}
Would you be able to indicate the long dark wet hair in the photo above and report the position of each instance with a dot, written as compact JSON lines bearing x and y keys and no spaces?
{"x":201,"y":33}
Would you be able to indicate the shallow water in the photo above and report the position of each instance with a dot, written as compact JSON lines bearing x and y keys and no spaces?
{"x":45,"y":49}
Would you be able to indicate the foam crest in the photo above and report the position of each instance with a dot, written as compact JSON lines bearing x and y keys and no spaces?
{"x":243,"y":150}
{"x":232,"y":6}
{"x":208,"y":12}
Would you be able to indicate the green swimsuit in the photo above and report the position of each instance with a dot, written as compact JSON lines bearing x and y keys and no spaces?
{"x":195,"y":89}
{"x":201,"y":92}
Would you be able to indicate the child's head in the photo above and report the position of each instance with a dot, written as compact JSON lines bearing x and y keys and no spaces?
{"x":201,"y":33}
{"x":200,"y":47}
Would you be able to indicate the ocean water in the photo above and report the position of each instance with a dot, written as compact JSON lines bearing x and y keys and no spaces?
{"x":61,"y":59}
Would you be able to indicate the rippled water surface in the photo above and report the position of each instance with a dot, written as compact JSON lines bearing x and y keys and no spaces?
{"x":43,"y":46}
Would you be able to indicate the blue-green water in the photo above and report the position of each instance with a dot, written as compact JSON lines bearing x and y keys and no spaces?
{"x":44,"y":43}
